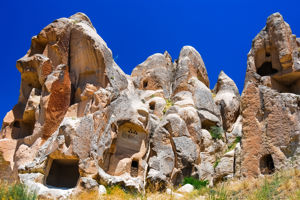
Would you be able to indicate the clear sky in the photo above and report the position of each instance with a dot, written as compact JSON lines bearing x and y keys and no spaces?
{"x":221,"y":31}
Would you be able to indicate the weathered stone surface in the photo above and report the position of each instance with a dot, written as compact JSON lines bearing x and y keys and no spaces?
{"x":155,"y":73}
{"x":7,"y":150}
{"x":190,"y":64}
{"x":81,"y":123}
{"x":228,"y":99}
{"x":270,"y":101}
{"x":101,"y":190}
{"x":226,"y":166}
{"x":187,"y":188}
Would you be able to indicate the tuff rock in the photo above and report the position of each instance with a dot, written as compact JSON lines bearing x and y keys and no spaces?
{"x":81,"y":123}
{"x":270,"y":101}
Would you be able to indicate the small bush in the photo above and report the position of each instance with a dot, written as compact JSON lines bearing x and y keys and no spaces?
{"x":216,"y":163}
{"x":198,"y":184}
{"x":232,"y":146}
{"x":169,"y":103}
{"x":16,"y":192}
{"x":216,"y":132}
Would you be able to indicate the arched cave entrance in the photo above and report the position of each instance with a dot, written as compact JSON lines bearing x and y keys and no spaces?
{"x":266,"y":69}
{"x":152,"y":105}
{"x":126,"y":150}
{"x":266,"y":164}
{"x":63,"y":173}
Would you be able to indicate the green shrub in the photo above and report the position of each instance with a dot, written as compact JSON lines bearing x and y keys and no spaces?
{"x":216,"y":163}
{"x":16,"y":192}
{"x":195,"y":182}
{"x":216,"y":132}
{"x":232,"y":146}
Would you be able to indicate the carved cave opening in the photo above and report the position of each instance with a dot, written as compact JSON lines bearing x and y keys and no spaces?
{"x":145,"y":84}
{"x":266,"y":69}
{"x":134,"y":171}
{"x":126,"y":150}
{"x":266,"y":164}
{"x":22,"y":129}
{"x":152,"y":105}
{"x":63,"y":173}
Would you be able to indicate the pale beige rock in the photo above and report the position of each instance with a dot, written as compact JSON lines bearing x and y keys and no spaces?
{"x":81,"y":121}
{"x":7,"y":150}
{"x":187,"y":188}
{"x":228,"y":99}
{"x":225,"y":166}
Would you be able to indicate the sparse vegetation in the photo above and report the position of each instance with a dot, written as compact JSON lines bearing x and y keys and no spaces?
{"x":216,"y":163}
{"x":16,"y":191}
{"x":280,"y":185}
{"x":233,"y":145}
{"x":198,"y":184}
{"x":213,"y":95}
{"x":169,"y":104}
{"x":216,"y":132}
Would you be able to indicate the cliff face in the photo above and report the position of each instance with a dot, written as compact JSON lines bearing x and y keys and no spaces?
{"x":270,"y":101}
{"x":80,"y":121}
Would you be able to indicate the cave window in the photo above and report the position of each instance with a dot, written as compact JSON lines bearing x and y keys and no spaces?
{"x":145,"y":84}
{"x":267,"y":164}
{"x":134,"y":168}
{"x":63,"y":173}
{"x":16,"y":124}
{"x":152,"y":106}
{"x":22,"y":129}
{"x":266,"y":69}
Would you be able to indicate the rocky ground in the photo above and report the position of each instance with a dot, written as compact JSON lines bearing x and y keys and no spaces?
{"x":82,"y":124}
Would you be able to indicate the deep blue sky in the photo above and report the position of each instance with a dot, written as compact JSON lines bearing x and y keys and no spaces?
{"x":221,"y":31}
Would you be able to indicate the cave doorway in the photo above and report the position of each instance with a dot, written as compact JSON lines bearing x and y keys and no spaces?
{"x":21,"y":129}
{"x":63,"y":173}
{"x":267,"y":164}
{"x":266,"y":69}
{"x":130,"y":141}
{"x":134,"y":171}
{"x":152,"y":105}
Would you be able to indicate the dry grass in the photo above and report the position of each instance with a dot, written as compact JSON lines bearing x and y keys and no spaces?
{"x":280,"y":185}
{"x":15,"y":191}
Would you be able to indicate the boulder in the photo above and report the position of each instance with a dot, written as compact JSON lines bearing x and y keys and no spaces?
{"x":187,"y":188}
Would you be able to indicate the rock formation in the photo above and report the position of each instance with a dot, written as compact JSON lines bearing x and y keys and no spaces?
{"x":81,"y":123}
{"x":270,"y":101}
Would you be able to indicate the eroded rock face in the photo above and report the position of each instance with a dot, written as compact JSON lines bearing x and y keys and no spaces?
{"x":270,"y":101}
{"x":228,"y":99}
{"x":80,"y":122}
